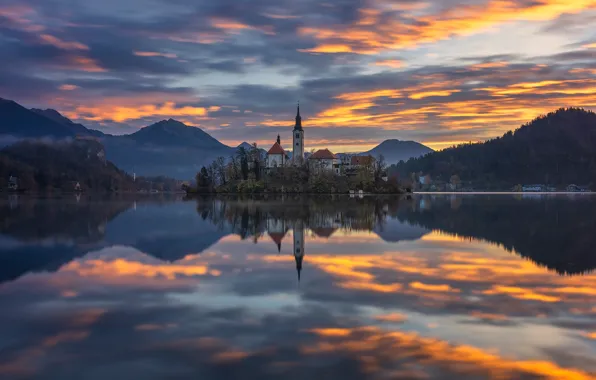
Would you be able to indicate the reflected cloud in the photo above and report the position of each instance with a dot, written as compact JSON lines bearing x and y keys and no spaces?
{"x":335,"y":286}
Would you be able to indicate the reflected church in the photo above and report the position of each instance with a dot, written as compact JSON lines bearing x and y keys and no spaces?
{"x":278,"y":229}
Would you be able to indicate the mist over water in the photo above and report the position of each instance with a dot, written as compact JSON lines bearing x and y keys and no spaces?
{"x":441,"y":287}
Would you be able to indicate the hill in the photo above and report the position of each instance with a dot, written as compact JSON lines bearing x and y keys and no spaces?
{"x":75,"y":128}
{"x":18,"y":121}
{"x":42,"y":166}
{"x":395,"y":151}
{"x":167,"y":148}
{"x":174,"y":133}
{"x":556,"y":149}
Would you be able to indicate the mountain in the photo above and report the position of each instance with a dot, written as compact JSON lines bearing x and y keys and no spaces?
{"x":557,"y":149}
{"x":174,"y":133}
{"x":75,"y":128}
{"x":245,"y":145}
{"x":60,"y":165}
{"x":18,"y":121}
{"x":395,"y":150}
{"x":168,"y":147}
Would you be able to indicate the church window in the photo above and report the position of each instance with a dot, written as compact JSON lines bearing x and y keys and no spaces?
{"x":297,"y":135}
{"x":297,"y":144}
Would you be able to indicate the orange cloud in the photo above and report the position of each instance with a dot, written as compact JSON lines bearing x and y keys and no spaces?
{"x":379,"y":29}
{"x":55,"y":41}
{"x":154,"y":54}
{"x":21,"y":16}
{"x":383,"y":349}
{"x":393,"y":317}
{"x":329,"y":48}
{"x":521,"y":293}
{"x":433,"y":288}
{"x":121,"y":113}
{"x":422,"y":95}
{"x":122,"y":267}
{"x":85,"y":64}
{"x":68,"y":87}
{"x":393,"y":63}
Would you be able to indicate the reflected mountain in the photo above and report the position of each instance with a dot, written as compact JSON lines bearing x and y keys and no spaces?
{"x":44,"y":234}
{"x":553,"y":231}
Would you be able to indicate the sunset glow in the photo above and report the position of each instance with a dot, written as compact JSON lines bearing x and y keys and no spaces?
{"x":440,"y":73}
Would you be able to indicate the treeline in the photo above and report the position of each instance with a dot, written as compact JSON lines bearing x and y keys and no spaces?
{"x":67,"y":166}
{"x":557,"y":149}
{"x":246,"y":172}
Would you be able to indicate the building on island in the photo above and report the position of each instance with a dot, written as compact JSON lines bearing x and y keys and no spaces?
{"x":324,"y":159}
{"x":277,"y":156}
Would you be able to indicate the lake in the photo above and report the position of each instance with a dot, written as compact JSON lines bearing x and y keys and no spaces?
{"x":426,"y":287}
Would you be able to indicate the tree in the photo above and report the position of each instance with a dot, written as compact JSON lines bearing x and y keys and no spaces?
{"x":242,"y":155}
{"x":203,"y":180}
{"x":379,"y":168}
{"x":455,"y":181}
{"x":220,"y":169}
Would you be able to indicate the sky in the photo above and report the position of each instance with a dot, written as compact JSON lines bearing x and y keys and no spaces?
{"x":440,"y":72}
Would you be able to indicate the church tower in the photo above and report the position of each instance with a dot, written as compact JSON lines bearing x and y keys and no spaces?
{"x":298,"y":245}
{"x":298,"y":139}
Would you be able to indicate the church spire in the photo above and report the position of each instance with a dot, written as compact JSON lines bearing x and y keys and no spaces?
{"x":298,"y":265}
{"x":298,"y":125}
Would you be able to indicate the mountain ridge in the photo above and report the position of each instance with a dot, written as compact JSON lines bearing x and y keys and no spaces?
{"x":167,"y":147}
{"x":557,"y":149}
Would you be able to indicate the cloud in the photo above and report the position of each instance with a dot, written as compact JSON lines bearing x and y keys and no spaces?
{"x":364,"y":71}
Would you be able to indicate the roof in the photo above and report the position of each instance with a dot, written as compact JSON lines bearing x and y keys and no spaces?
{"x":277,"y":238}
{"x":324,"y":232}
{"x":276,"y":149}
{"x":322,"y":154}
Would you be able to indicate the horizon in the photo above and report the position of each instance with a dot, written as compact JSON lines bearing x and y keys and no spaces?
{"x":364,"y":72}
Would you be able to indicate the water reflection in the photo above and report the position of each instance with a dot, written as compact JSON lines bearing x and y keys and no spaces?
{"x":434,"y":287}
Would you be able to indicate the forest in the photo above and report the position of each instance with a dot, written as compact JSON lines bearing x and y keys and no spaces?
{"x":556,"y":149}
{"x":70,"y":165}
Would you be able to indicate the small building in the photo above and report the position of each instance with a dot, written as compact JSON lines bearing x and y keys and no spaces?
{"x":276,"y":156}
{"x":324,"y":159}
{"x":13,"y":183}
{"x":533,"y":188}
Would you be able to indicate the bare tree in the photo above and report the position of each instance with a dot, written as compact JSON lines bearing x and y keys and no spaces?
{"x":220,"y":169}
{"x":379,"y":168}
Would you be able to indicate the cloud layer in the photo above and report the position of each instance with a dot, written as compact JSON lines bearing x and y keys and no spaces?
{"x":440,"y":72}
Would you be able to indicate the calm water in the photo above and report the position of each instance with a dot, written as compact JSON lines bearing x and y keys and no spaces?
{"x":446,"y":287}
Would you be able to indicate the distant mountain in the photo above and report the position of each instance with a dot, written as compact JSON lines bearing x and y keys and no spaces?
{"x":168,"y":147}
{"x":174,"y":133}
{"x":556,"y":149}
{"x":75,"y":128}
{"x":244,"y":145}
{"x":18,"y":121}
{"x":395,"y":150}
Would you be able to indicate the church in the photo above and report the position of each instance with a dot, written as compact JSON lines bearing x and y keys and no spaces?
{"x":322,"y":159}
{"x":277,"y":156}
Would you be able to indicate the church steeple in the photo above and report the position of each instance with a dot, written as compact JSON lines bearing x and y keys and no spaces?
{"x":298,"y":125}
{"x":298,"y":265}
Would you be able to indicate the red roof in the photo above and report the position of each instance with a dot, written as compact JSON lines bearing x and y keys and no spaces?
{"x":277,"y":237}
{"x":323,"y":154}
{"x":362,"y":160}
{"x":324,"y":232}
{"x":276,"y":149}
